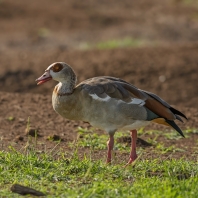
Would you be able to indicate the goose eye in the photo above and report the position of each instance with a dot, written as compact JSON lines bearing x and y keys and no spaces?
{"x":57,"y":67}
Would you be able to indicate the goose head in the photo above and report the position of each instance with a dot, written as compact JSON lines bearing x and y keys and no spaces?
{"x":58,"y":71}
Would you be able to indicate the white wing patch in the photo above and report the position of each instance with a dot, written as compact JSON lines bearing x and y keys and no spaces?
{"x":94,"y":96}
{"x":136,"y":101}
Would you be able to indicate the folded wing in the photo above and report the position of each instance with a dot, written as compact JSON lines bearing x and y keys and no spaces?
{"x":106,"y":87}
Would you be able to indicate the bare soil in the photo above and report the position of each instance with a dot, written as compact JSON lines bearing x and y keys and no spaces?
{"x":33,"y":36}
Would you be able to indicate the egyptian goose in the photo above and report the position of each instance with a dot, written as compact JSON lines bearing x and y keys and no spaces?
{"x":108,"y":103}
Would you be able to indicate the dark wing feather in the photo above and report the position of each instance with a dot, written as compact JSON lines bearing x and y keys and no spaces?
{"x":175,"y":111}
{"x":172,"y":123}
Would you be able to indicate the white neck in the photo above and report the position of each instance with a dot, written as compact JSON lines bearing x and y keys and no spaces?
{"x":64,"y":88}
{"x":66,"y":83}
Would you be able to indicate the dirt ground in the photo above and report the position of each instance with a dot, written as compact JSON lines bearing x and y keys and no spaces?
{"x":33,"y":36}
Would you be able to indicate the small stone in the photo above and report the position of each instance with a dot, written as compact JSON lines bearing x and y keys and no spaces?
{"x":162,"y":78}
{"x":21,"y":120}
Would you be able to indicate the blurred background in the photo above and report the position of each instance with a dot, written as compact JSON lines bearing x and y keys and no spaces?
{"x":152,"y":44}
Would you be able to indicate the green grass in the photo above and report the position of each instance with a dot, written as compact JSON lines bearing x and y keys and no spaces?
{"x":126,"y":42}
{"x":58,"y":173}
{"x":115,"y":43}
{"x":43,"y":32}
{"x":10,"y":118}
{"x":189,"y":2}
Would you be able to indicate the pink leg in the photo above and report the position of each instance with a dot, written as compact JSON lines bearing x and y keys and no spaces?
{"x":133,"y":155}
{"x":110,"y":144}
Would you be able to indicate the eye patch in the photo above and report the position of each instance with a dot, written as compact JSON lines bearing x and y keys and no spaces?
{"x":57,"y":67}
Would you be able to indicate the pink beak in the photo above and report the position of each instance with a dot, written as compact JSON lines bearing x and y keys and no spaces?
{"x":44,"y":78}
